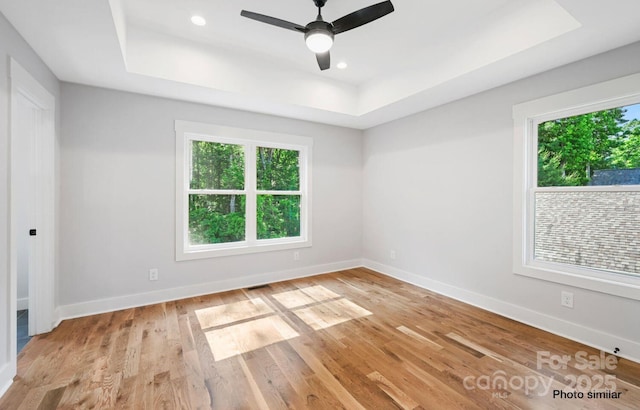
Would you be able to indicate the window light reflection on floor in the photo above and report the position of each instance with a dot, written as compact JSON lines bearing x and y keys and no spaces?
{"x":324,"y":315}
{"x":232,"y":312}
{"x":242,"y":338}
{"x":240,"y":327}
{"x":305,"y":296}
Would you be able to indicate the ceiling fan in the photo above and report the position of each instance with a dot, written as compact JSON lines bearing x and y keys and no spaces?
{"x":319,"y":33}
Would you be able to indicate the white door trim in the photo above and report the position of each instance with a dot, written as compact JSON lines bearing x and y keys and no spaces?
{"x":41,"y":278}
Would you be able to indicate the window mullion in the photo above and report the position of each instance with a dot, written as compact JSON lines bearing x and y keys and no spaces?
{"x":216,"y":191}
{"x":250,"y":188}
{"x":267,"y":192}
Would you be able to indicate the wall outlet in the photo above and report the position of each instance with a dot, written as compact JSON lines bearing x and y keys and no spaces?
{"x":153,"y":274}
{"x":392,"y":254}
{"x":566,"y":299}
{"x":296,"y":255}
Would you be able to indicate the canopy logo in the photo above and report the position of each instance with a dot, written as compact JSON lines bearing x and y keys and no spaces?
{"x":575,"y":386}
{"x":499,"y":381}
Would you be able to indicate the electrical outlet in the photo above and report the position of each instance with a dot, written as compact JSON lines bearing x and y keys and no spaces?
{"x":153,"y":274}
{"x":296,"y":256}
{"x":566,"y":299}
{"x":392,"y":254}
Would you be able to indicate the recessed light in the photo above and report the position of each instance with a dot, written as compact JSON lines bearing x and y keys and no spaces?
{"x":342,"y":65}
{"x":198,"y":20}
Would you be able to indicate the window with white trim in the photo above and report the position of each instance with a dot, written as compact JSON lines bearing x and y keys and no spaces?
{"x":240,"y":191}
{"x":576,"y":188}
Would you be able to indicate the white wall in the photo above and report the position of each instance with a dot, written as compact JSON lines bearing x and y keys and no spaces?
{"x":12,"y":45}
{"x":438,"y":191}
{"x":118,"y":202}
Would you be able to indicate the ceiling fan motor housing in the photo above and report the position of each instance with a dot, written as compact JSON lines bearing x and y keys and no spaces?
{"x":316,"y":27}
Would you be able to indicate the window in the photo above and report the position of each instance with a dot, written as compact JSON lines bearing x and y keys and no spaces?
{"x":577,"y":188}
{"x":240,"y":191}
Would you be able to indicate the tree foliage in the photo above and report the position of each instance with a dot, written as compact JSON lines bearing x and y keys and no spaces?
{"x":220,"y":217}
{"x":278,"y":216}
{"x":571,"y":149}
{"x":550,"y":172}
{"x":216,"y":219}
{"x":627,"y":154}
{"x":216,"y":166}
{"x":277,"y":169}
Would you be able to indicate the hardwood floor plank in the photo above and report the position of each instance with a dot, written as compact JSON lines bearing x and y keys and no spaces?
{"x":474,"y":346}
{"x":349,"y":364}
{"x":126,"y":394}
{"x":324,"y":375}
{"x":417,"y":336}
{"x":255,"y":390}
{"x":347,"y":340}
{"x":163,"y":397}
{"x":310,"y":391}
{"x":400,"y":397}
{"x":132,"y":352}
{"x":52,"y":398}
{"x":198,"y":393}
{"x":182,"y":396}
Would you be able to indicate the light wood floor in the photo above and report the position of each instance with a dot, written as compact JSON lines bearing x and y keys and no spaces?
{"x":353,"y":340}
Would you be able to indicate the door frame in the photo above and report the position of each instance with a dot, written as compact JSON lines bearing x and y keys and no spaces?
{"x":41,"y":276}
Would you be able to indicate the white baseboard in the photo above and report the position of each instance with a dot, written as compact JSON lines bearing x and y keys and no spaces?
{"x":141,"y":299}
{"x":629,"y":349}
{"x":7,"y":373}
{"x":582,"y":334}
{"x":23,"y":303}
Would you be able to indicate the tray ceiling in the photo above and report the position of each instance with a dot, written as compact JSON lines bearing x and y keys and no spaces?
{"x":424,"y":54}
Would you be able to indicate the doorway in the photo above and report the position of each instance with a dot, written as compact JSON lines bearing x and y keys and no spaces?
{"x":25,"y":120}
{"x":32,"y":198}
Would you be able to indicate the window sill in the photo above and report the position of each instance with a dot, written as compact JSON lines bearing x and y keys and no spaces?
{"x":244,"y":249}
{"x":626,"y":286}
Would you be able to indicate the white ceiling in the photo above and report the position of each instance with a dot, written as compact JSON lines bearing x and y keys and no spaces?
{"x":426,"y":53}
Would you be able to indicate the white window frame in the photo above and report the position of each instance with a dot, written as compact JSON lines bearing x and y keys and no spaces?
{"x":527,"y":116}
{"x":187,"y":131}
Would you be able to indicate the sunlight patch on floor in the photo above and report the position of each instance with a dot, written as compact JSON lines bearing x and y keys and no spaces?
{"x":305,"y":296}
{"x":233,"y":340}
{"x":240,"y":327}
{"x":232,"y":312}
{"x":324,"y":315}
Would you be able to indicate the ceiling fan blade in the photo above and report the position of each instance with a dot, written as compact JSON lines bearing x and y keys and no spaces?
{"x":273,"y":21}
{"x":362,"y":16}
{"x":324,"y":60}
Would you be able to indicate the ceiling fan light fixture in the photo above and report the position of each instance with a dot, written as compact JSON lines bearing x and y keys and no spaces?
{"x":319,"y":41}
